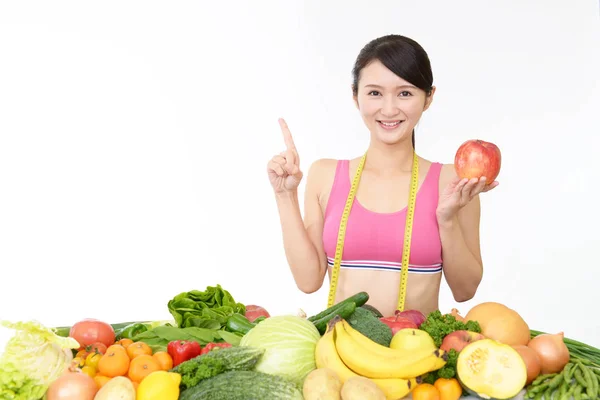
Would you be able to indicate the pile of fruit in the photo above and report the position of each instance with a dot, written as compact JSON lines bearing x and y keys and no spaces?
{"x":216,"y":348}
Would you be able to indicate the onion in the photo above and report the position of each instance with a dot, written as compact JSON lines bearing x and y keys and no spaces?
{"x":552,"y":351}
{"x":532,"y":362}
{"x":414,"y":315}
{"x":72,"y":386}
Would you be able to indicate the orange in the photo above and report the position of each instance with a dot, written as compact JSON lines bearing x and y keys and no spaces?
{"x":164,"y":359}
{"x":115,"y":362}
{"x":125,"y":342}
{"x":426,"y":391}
{"x":101,"y":380}
{"x":135,"y":385}
{"x":141,"y":366}
{"x":137,"y":349}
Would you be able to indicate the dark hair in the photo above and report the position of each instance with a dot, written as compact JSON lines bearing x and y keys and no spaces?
{"x":401,"y":55}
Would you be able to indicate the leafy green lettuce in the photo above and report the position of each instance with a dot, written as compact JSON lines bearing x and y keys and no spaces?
{"x":209,"y":309}
{"x":32,"y":360}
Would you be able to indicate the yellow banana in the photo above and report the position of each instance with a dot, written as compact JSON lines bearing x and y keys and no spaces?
{"x":363,"y":360}
{"x":326,"y":356}
{"x":395,"y":389}
{"x":412,"y":339}
{"x":414,"y":353}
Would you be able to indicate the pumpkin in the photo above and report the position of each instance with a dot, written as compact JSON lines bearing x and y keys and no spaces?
{"x":500,"y":323}
{"x":489,"y":369}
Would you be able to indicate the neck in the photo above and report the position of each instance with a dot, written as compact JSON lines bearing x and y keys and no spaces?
{"x":390,"y":158}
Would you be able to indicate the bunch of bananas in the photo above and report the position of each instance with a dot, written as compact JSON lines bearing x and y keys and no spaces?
{"x":396,"y":369}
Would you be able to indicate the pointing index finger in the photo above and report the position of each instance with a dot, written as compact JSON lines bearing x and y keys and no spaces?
{"x":287,"y":135}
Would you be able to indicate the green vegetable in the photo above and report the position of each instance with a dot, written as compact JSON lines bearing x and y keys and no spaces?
{"x":240,"y":324}
{"x":289,"y":343}
{"x":375,"y":311}
{"x":242,"y":385}
{"x":215,"y":362}
{"x":209,"y":309}
{"x":369,"y":325}
{"x":131,"y":330}
{"x":65,"y":330}
{"x":358,"y":299}
{"x":345,"y":311}
{"x":438,"y":326}
{"x":33,"y":358}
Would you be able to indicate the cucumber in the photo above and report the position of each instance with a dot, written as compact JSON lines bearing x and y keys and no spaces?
{"x":358,"y":299}
{"x":243,"y":385}
{"x":64,"y":331}
{"x":345,"y":312}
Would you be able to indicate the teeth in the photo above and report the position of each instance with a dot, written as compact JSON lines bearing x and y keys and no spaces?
{"x":390,"y":123}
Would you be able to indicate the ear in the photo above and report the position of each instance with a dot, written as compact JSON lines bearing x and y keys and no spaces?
{"x":354,"y":97}
{"x":429,"y":99}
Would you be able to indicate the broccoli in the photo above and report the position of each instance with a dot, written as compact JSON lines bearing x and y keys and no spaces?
{"x":196,"y":369}
{"x":369,"y":325}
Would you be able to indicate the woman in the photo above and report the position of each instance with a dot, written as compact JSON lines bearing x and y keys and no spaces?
{"x":392,"y":87}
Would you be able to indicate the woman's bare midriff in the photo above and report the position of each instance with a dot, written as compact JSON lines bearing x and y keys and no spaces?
{"x":383,"y":288}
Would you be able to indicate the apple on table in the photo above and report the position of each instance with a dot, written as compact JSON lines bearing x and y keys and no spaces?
{"x":458,"y":340}
{"x":254,"y":311}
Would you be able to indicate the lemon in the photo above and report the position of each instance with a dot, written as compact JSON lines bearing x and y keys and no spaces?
{"x":159,"y":385}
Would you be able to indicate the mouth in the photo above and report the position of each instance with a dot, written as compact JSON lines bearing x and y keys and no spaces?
{"x":389,"y":125}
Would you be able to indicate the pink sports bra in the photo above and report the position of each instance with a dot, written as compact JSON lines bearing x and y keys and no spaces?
{"x":374,"y":240}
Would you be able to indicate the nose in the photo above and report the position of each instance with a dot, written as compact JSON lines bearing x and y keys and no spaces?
{"x":390,"y":106}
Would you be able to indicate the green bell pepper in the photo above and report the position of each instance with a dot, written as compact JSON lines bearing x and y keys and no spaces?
{"x":132,"y":330}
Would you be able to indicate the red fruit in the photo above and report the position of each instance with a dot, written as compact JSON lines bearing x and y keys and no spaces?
{"x":90,"y":331}
{"x":397,"y":322}
{"x":458,"y":340}
{"x":476,"y":159}
{"x":253,"y":312}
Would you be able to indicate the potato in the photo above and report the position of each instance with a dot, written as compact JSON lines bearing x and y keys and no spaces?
{"x":361,"y":388}
{"x":118,"y":388}
{"x":322,"y":384}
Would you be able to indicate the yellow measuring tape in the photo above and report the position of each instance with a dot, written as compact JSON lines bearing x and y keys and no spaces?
{"x":339,"y":249}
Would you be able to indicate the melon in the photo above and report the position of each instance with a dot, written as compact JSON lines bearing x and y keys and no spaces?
{"x":489,"y":369}
{"x":500,"y":323}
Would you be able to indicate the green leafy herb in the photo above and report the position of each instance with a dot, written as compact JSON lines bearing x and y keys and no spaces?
{"x":204,"y":309}
{"x":438,"y":326}
{"x":159,"y":337}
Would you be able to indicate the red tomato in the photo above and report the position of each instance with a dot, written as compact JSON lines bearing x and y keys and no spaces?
{"x":253,"y":312}
{"x":90,"y":331}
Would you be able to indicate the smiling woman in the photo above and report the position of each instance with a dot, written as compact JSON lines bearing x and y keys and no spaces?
{"x":356,"y":231}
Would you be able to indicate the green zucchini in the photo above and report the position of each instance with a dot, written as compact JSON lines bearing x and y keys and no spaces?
{"x":243,"y":385}
{"x":345,"y":312}
{"x":358,"y":299}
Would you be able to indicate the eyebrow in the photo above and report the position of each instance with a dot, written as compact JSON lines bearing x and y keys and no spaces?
{"x":397,"y":87}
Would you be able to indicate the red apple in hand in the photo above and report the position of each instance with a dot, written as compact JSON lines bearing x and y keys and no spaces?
{"x":476,"y":158}
{"x":458,"y":340}
{"x":253,"y":312}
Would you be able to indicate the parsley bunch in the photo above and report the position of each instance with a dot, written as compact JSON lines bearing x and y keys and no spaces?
{"x":438,"y":326}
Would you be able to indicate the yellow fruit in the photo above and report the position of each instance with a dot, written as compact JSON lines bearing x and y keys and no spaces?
{"x":159,"y":385}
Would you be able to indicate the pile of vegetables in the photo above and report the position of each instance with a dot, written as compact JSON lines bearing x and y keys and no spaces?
{"x":33,"y":358}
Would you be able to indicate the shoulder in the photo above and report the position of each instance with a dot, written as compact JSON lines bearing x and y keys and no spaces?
{"x":321,"y":173}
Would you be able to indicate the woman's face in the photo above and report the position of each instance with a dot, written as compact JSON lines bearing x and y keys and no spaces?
{"x":389,"y":105}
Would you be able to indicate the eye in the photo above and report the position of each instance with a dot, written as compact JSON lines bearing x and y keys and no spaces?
{"x":405,"y":94}
{"x":374,"y":93}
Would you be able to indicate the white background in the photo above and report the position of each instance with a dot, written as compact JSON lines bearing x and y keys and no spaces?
{"x":134,"y":138}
